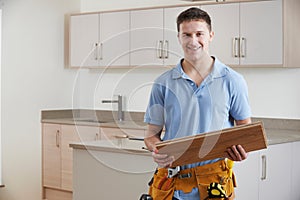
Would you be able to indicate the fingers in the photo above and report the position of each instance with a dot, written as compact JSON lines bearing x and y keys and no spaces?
{"x":237,"y":153}
{"x":163,"y":160}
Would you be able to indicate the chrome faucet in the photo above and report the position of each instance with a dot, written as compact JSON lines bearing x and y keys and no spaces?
{"x":120,"y":104}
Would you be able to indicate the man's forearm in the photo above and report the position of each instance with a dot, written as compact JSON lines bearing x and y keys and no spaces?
{"x":152,"y":136}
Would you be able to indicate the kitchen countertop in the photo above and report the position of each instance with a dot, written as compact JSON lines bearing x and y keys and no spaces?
{"x":123,"y":145}
{"x":277,"y":130}
{"x":91,"y":122}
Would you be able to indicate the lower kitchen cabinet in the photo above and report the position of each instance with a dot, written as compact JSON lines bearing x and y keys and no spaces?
{"x":295,"y":171}
{"x":58,"y":157}
{"x":266,"y":174}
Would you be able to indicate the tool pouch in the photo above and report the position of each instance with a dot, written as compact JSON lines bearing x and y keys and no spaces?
{"x":162,"y":187}
{"x":215,"y":174}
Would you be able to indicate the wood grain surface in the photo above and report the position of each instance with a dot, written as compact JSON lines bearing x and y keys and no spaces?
{"x":211,"y":145}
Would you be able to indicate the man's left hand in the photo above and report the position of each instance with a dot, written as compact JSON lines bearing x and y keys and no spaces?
{"x":237,"y":153}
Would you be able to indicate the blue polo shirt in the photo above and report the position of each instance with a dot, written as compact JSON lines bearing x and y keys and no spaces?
{"x":185,"y":109}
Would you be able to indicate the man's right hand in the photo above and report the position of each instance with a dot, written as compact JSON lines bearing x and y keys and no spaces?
{"x":163,"y":160}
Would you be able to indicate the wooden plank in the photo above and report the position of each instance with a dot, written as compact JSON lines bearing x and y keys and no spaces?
{"x":213,"y":145}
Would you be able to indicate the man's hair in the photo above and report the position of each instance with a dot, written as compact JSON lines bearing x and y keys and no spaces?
{"x":193,"y":14}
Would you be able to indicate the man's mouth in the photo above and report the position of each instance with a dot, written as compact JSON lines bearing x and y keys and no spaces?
{"x":194,"y":48}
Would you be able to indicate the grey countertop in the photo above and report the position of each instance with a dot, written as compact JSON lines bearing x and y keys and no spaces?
{"x":277,"y":130}
{"x":90,"y":122}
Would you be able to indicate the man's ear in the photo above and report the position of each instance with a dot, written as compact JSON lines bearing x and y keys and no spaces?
{"x":178,"y":38}
{"x":211,"y":35}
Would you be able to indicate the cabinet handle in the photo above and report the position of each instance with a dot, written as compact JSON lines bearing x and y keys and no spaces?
{"x":235,"y":46}
{"x":101,"y":51}
{"x":243,"y":47}
{"x":159,"y":47}
{"x":264,"y":167}
{"x":95,"y":51}
{"x":97,"y":136}
{"x":166,"y":49}
{"x":57,"y":138}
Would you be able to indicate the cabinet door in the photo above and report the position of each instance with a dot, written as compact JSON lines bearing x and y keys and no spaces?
{"x":114,"y":36}
{"x":247,"y":177}
{"x":225,"y":24}
{"x":51,"y":155}
{"x":172,"y":49}
{"x":276,"y":182}
{"x":71,"y":134}
{"x":84,"y":39}
{"x":261,"y":33}
{"x":146,"y":37}
{"x":295,"y":170}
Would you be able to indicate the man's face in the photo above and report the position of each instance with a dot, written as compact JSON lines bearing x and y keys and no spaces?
{"x":194,"y":37}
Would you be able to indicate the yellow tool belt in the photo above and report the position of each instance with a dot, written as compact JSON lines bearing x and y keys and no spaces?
{"x":202,"y":177}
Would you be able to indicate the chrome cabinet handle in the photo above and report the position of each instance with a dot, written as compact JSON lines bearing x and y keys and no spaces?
{"x":264,"y":167}
{"x":57,"y":138}
{"x":97,"y":136}
{"x":235,"y":47}
{"x":101,"y":51}
{"x":166,"y":49}
{"x":159,"y":49}
{"x":95,"y":47}
{"x":243,"y":47}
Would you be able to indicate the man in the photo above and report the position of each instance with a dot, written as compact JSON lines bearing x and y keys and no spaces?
{"x":199,"y":95}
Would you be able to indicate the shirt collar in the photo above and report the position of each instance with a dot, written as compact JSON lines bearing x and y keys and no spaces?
{"x":219,"y":70}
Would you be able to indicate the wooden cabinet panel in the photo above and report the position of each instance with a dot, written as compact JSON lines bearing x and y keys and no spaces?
{"x":72,"y":134}
{"x":58,"y":156}
{"x":51,"y":155}
{"x":52,"y":194}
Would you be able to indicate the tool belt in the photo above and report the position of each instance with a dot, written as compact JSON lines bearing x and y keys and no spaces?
{"x":214,"y":181}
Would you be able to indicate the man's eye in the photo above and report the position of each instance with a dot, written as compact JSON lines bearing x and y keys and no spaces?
{"x":186,"y":35}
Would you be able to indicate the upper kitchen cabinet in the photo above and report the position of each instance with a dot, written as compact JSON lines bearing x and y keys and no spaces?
{"x":248,"y":34}
{"x":146,"y":37}
{"x":84,"y":38}
{"x":99,"y":40}
{"x":172,"y":49}
{"x":154,"y":37}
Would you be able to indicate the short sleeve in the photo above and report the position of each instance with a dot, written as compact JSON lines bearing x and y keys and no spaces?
{"x":155,"y":110}
{"x":239,"y":106}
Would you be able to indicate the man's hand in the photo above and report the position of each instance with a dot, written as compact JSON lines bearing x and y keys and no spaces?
{"x":237,"y":153}
{"x":163,"y":160}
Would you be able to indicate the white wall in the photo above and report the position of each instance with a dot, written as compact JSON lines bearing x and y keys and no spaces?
{"x":33,"y":78}
{"x":273,"y":92}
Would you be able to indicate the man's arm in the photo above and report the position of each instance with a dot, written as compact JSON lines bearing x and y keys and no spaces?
{"x":153,"y":134}
{"x":237,"y":152}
